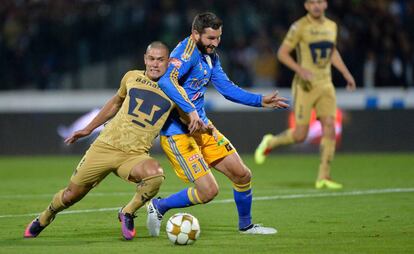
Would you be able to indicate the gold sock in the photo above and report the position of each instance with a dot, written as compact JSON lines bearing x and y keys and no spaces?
{"x":193,"y":196}
{"x":327,"y":152}
{"x":146,"y":189}
{"x":54,"y":207}
{"x":284,"y":138}
{"x":242,"y":187}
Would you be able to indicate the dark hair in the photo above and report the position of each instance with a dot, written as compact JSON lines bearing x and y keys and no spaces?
{"x":206,"y":20}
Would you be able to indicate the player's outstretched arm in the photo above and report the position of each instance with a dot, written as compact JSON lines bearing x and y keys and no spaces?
{"x":273,"y":100}
{"x":341,"y":67}
{"x":106,"y":113}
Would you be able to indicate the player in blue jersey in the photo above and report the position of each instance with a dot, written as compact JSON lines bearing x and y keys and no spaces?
{"x":193,"y":65}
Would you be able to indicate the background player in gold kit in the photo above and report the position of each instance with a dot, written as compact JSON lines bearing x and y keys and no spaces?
{"x":314,"y":38}
{"x":138,"y":111}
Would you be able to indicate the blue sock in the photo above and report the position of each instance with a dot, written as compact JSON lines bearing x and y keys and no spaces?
{"x":176,"y":200}
{"x":244,"y":207}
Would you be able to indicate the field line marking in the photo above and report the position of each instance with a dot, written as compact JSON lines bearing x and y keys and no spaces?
{"x":124,"y":193}
{"x":289,"y":196}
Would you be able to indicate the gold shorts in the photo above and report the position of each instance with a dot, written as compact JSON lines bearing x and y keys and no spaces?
{"x":321,"y":97}
{"x":100,"y":160}
{"x":192,"y":155}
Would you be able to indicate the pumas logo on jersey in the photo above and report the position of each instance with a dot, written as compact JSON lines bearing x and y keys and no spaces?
{"x":176,"y":62}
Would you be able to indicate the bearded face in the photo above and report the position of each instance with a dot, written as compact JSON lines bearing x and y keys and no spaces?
{"x":208,"y":41}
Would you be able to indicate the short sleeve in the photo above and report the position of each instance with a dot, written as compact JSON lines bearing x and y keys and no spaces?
{"x":293,"y":36}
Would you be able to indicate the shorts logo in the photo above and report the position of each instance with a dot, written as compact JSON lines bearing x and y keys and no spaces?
{"x":194,"y":157}
{"x":196,"y":168}
{"x":300,"y":114}
{"x":176,"y":62}
{"x":229,"y":147}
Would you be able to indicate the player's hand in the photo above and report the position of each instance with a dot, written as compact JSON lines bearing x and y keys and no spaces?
{"x":195,"y":123}
{"x":210,"y":129}
{"x":305,"y":74}
{"x":305,"y":79}
{"x":350,"y":82}
{"x":77,"y":135}
{"x":273,"y":100}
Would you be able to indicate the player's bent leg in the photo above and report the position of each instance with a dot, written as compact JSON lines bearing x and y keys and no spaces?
{"x":300,"y":133}
{"x":205,"y":190}
{"x":270,"y":142}
{"x":62,"y":200}
{"x":152,"y":177}
{"x":149,"y":176}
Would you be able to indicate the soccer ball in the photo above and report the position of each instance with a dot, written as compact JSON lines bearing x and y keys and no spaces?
{"x":183,"y":229}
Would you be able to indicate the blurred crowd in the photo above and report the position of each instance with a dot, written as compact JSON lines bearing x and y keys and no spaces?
{"x":42,"y":40}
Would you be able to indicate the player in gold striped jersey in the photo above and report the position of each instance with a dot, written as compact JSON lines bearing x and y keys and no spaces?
{"x":314,"y":38}
{"x":136,"y":112}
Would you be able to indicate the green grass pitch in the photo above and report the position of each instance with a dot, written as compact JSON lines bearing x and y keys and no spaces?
{"x":374,"y":213}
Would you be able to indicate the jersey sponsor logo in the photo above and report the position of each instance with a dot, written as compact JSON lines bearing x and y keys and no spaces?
{"x":196,"y":83}
{"x":193,"y":157}
{"x":176,"y":62}
{"x":316,"y":32}
{"x":196,"y":96}
{"x":147,"y":82}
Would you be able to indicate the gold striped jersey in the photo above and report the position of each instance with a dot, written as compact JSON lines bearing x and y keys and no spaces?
{"x":143,"y":113}
{"x":314,"y":43}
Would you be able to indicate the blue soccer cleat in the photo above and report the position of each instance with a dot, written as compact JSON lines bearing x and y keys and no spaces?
{"x":127,"y":225}
{"x":33,"y":229}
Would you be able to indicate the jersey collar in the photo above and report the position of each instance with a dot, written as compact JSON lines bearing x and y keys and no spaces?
{"x":314,"y":21}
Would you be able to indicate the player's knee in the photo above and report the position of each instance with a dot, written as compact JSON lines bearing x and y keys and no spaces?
{"x":149,"y":169}
{"x":206,"y":195}
{"x":243,"y":176}
{"x":329,"y":126}
{"x":70,"y":197}
{"x":300,"y":137}
{"x":73,"y":194}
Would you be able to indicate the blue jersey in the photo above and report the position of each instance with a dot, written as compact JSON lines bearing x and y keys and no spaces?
{"x":193,"y":71}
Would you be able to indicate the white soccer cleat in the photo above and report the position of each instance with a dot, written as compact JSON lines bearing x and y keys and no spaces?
{"x":258,"y":229}
{"x":154,"y":219}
